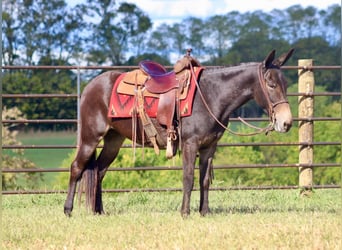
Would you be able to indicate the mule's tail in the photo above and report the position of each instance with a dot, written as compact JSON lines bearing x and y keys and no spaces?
{"x":88,"y":183}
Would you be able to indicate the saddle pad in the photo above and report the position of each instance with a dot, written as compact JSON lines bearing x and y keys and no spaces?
{"x":121,"y":105}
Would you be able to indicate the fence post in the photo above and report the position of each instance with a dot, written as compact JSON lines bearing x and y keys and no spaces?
{"x":78,"y":105}
{"x":306,"y":84}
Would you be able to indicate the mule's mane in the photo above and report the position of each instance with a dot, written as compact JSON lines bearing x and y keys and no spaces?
{"x":227,"y":68}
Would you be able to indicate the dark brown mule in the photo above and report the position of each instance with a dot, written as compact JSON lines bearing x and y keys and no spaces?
{"x":222,"y":90}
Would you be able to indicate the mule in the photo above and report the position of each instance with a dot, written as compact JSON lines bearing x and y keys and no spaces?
{"x":219,"y":92}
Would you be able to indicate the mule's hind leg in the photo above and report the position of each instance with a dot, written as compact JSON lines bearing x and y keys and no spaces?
{"x":205,"y":165}
{"x":85,"y":153}
{"x":111,"y":148}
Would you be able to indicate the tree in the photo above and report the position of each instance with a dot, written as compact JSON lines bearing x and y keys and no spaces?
{"x":10,"y":28}
{"x":217,"y":37}
{"x":177,"y":38}
{"x":40,"y":28}
{"x":117,"y":27}
{"x":323,"y":54}
{"x":332,"y":25}
{"x":46,"y":28}
{"x":158,"y":41}
{"x":45,"y":81}
{"x":135,"y":60}
{"x":137,"y":23}
{"x":195,"y":39}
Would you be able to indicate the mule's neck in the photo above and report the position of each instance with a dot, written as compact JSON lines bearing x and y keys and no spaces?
{"x":231,"y":87}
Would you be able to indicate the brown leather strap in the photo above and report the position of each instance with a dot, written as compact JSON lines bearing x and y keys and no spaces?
{"x":270,"y":105}
{"x":148,"y":126}
{"x":260,"y":130}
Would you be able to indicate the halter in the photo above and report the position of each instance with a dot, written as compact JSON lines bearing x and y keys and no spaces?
{"x":270,"y":105}
{"x":270,"y":108}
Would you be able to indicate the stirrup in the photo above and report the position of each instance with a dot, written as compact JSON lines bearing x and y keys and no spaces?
{"x":171,"y":137}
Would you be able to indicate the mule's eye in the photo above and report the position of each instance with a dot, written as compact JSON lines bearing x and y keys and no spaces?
{"x":271,"y":84}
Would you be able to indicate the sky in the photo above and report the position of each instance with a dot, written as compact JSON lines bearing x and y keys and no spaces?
{"x":170,"y":11}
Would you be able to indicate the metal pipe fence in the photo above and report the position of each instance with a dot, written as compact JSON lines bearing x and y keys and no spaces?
{"x":174,"y":168}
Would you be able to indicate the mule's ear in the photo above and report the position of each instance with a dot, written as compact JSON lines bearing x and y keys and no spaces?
{"x":283,"y":58}
{"x":269,"y":59}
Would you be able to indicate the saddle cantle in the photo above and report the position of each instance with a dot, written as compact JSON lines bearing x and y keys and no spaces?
{"x":159,"y":80}
{"x":153,"y":92}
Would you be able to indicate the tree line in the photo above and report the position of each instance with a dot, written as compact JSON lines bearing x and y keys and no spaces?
{"x":108,"y":32}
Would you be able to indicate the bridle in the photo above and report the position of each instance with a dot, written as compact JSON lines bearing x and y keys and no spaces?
{"x":263,"y":86}
{"x":270,"y":107}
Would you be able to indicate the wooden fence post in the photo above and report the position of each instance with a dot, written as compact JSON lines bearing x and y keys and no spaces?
{"x":306,"y":84}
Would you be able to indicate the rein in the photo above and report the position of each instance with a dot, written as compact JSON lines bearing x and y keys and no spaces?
{"x":271,"y":106}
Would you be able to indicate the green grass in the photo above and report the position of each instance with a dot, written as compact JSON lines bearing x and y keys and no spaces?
{"x":48,"y":158}
{"x":239,"y":220}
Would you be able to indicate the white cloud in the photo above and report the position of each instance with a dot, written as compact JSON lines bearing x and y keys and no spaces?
{"x":268,"y":5}
{"x":170,"y":11}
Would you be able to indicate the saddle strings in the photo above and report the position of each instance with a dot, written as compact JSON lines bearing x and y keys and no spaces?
{"x":135,"y":120}
{"x":259,"y":130}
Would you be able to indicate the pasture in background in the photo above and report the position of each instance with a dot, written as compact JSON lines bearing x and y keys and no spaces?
{"x":48,"y":158}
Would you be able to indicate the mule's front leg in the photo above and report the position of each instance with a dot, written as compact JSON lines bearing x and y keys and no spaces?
{"x":98,"y":196}
{"x":98,"y":199}
{"x":206,"y":170}
{"x":205,"y":180}
{"x":189,"y":158}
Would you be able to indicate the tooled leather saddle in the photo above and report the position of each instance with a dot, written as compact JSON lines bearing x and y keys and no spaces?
{"x":152,"y":91}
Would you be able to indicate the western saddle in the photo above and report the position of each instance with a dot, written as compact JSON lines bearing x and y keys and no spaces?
{"x":152,"y":79}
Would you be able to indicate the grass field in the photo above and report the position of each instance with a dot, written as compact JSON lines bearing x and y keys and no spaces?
{"x":239,"y":220}
{"x":48,"y":158}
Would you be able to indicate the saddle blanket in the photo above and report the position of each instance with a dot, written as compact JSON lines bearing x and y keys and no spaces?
{"x":122,"y":105}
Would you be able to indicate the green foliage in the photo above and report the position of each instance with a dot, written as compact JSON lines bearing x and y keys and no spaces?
{"x":241,"y":155}
{"x":133,"y":179}
{"x":16,"y":160}
{"x":143,"y":179}
{"x":134,"y":60}
{"x":328,"y":131}
{"x":47,"y":82}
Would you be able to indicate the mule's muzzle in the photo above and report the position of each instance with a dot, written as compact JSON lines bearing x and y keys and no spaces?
{"x":282,"y":118}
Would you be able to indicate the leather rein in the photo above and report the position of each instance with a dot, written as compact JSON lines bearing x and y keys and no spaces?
{"x":271,"y":106}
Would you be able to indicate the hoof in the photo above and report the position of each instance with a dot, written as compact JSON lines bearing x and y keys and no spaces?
{"x":100,"y":212}
{"x":185,"y":215}
{"x":67,"y":211}
{"x":204,"y":212}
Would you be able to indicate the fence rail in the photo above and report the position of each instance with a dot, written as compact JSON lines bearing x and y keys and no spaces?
{"x":133,"y":190}
{"x":13,"y":67}
{"x":335,"y":143}
{"x":231,"y":120}
{"x":303,"y":144}
{"x":161,"y":168}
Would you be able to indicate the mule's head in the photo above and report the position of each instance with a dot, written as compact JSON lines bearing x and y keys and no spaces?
{"x":273,"y":88}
